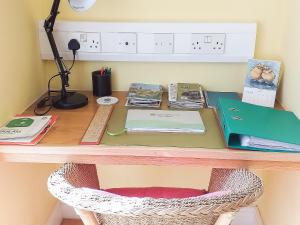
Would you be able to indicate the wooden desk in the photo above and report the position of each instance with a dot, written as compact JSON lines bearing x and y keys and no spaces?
{"x":61,"y":145}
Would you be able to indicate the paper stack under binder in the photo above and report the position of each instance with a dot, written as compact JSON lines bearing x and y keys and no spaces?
{"x":252,"y":127}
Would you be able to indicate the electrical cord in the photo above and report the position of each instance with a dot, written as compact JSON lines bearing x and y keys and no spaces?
{"x":74,"y":56}
{"x":46,"y":101}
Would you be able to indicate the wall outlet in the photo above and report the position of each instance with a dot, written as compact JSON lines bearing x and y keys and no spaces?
{"x":207,"y":43}
{"x":119,"y":43}
{"x":89,"y":42}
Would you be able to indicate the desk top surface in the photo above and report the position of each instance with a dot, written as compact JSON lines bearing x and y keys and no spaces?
{"x":61,"y":145}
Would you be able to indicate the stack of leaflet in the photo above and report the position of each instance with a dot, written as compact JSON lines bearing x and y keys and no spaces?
{"x":186,"y":96}
{"x":25,"y":130}
{"x":164,"y":121}
{"x":253,"y":127}
{"x":144,"y":95}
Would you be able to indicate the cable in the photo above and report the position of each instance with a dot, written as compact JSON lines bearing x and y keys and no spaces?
{"x":42,"y":102}
{"x":74,"y":56}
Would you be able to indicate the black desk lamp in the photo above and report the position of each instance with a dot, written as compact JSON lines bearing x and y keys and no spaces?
{"x":66,"y":100}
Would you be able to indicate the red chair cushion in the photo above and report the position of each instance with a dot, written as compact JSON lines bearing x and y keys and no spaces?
{"x":157,"y":192}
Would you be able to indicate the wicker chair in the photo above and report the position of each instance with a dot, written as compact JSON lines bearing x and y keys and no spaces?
{"x":77,"y":185}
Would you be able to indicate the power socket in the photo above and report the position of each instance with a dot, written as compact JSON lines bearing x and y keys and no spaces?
{"x":89,"y":42}
{"x":217,"y":43}
{"x":207,"y":43}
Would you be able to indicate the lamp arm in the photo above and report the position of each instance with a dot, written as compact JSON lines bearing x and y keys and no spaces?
{"x":48,"y":26}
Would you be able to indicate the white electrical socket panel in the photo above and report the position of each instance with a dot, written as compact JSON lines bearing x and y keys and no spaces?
{"x":156,"y":43}
{"x":207,"y":43}
{"x":153,"y":42}
{"x":119,"y":43}
{"x":89,"y":42}
{"x":200,"y":43}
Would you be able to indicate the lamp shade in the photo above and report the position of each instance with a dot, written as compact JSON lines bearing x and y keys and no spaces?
{"x":81,"y":5}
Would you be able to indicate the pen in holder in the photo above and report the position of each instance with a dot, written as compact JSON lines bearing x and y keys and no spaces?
{"x":102,"y":82}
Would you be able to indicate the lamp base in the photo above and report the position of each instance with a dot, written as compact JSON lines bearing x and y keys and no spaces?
{"x":73,"y":100}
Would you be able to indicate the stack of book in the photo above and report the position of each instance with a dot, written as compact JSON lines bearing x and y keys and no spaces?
{"x":186,"y":96}
{"x":144,"y":95}
{"x":25,"y":130}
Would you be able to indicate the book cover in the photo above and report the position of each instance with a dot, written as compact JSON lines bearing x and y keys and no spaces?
{"x":26,"y":130}
{"x":22,"y":127}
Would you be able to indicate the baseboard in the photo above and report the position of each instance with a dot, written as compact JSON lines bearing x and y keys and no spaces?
{"x":68,"y":212}
{"x":56,"y":216}
{"x":246,"y":216}
{"x":258,"y":217}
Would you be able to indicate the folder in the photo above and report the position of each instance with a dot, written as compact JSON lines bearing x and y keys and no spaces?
{"x":271,"y":129}
{"x":212,"y":97}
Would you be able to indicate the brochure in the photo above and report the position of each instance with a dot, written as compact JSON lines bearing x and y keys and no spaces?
{"x":25,"y":130}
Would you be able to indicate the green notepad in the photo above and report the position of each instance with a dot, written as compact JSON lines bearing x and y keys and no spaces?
{"x":212,"y":138}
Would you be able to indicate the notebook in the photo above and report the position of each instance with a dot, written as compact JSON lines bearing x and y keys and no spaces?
{"x":164,"y":121}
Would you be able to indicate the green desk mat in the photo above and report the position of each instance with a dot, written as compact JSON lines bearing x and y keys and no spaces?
{"x":210,"y":139}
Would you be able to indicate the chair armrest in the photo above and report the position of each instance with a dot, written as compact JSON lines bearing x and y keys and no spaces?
{"x":81,"y":175}
{"x":235,"y":180}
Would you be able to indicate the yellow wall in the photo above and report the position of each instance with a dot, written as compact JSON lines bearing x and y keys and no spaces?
{"x":215,"y":76}
{"x":212,"y":76}
{"x":23,"y":193}
{"x":147,"y":176}
{"x":23,"y":76}
{"x":281,"y":201}
{"x":24,"y":196}
{"x":269,"y":16}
